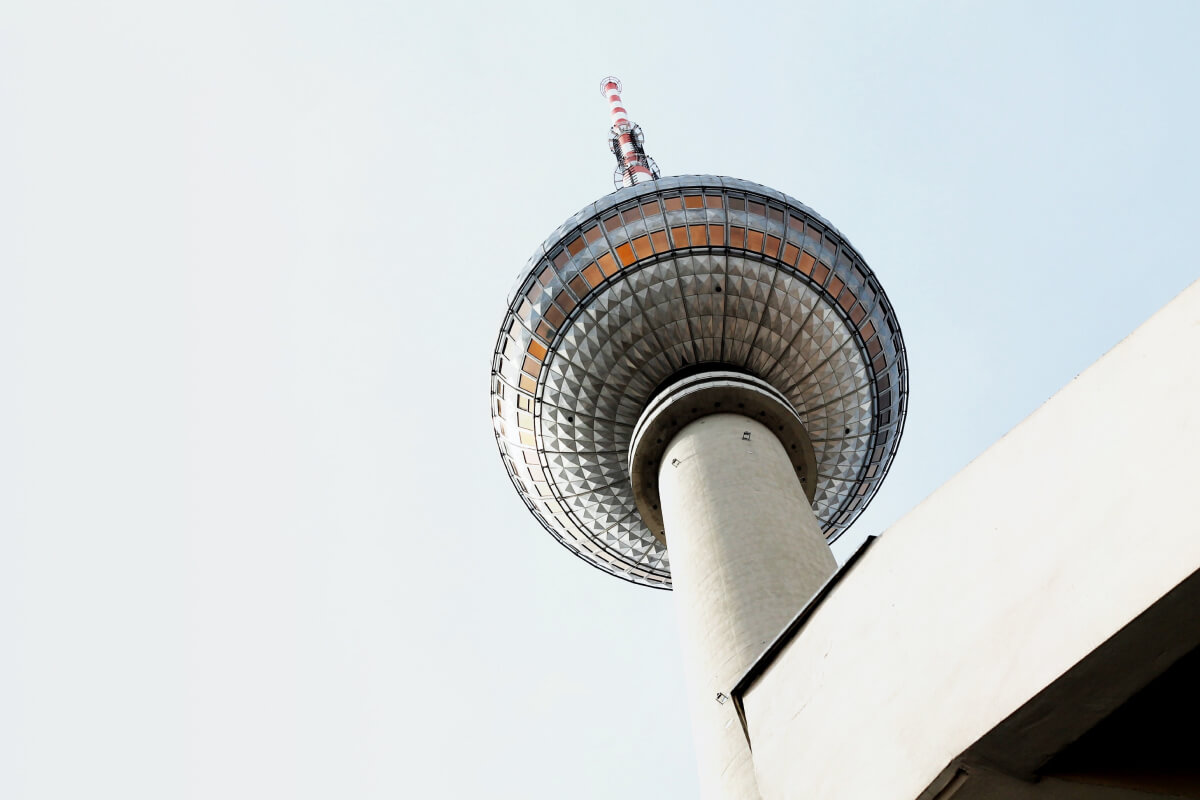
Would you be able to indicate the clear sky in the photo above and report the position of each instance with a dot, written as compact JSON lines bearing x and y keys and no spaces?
{"x":255,"y":538}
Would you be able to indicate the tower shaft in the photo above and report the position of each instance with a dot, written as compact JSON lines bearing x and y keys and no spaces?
{"x":747,"y":553}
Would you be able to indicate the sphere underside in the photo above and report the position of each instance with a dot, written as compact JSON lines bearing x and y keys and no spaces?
{"x":670,"y":276}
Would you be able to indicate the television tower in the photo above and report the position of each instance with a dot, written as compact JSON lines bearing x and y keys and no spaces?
{"x":698,"y":385}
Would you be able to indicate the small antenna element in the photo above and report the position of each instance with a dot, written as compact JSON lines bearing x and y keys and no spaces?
{"x":626,"y":141}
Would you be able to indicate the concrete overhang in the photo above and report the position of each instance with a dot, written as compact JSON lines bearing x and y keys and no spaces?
{"x":1120,"y":723}
{"x":1025,"y":602}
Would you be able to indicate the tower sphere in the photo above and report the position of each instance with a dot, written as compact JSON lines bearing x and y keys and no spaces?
{"x":675,"y":276}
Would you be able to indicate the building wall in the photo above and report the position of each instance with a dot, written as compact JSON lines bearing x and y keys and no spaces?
{"x":1046,"y":545}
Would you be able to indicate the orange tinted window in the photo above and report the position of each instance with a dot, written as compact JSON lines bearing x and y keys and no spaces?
{"x":641,"y":246}
{"x":651,"y":208}
{"x":555,"y":316}
{"x":524,"y":311}
{"x":530,"y":385}
{"x":868,"y":330}
{"x":712,"y":200}
{"x":574,"y":246}
{"x":790,"y":253}
{"x":578,"y":286}
{"x":531,"y":366}
{"x":564,"y":300}
{"x":546,"y":275}
{"x":679,"y":236}
{"x":592,"y":273}
{"x":659,"y":240}
{"x":697,"y":232}
{"x":772,"y":246}
{"x":592,"y":234}
{"x":607,"y":263}
{"x":693,"y":201}
{"x":716,"y":235}
{"x":674,"y":204}
{"x":758,"y":208}
{"x":737,"y":237}
{"x":544,"y":330}
{"x":612,"y":223}
{"x":836,"y":286}
{"x":820,"y":272}
{"x":625,"y":254}
{"x":534,"y":293}
{"x":806,"y":263}
{"x":755,"y":241}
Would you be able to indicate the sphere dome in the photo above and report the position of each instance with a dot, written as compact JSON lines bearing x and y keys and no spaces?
{"x":685,"y":274}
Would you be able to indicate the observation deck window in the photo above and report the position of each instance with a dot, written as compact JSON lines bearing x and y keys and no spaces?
{"x":625,"y":254}
{"x":593,"y":275}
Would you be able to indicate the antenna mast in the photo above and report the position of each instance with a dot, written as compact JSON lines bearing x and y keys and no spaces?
{"x":626,"y":141}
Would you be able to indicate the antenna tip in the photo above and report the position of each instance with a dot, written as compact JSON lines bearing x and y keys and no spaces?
{"x":607,"y":82}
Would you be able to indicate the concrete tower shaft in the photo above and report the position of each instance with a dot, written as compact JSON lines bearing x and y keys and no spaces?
{"x":746,"y":554}
{"x":746,"y":549}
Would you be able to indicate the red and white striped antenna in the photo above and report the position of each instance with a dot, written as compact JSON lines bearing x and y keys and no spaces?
{"x":626,"y":141}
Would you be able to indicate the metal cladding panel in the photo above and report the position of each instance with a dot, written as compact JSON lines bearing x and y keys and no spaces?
{"x":662,"y":276}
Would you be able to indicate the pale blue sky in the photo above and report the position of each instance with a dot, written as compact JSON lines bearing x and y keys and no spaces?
{"x":255,"y":538}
